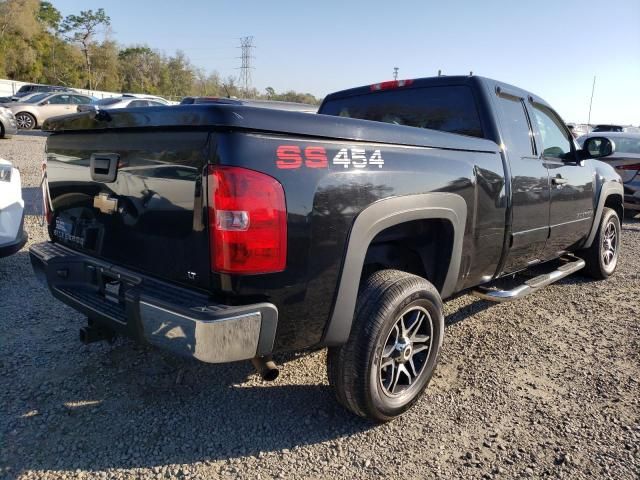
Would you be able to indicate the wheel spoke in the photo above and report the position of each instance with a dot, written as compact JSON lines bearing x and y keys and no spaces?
{"x":413,"y":367}
{"x":386,"y":363}
{"x":395,"y":375}
{"x":421,"y":339}
{"x":419,"y":349}
{"x":403,"y":327}
{"x":415,"y":327}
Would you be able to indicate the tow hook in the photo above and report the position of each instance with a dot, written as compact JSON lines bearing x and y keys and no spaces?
{"x":93,"y":333}
{"x":266,"y":368}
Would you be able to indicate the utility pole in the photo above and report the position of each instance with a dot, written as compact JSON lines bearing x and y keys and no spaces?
{"x":395,"y":73}
{"x":246,"y":44}
{"x":593,"y":87}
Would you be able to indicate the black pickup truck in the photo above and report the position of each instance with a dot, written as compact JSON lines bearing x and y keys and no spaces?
{"x":226,"y":232}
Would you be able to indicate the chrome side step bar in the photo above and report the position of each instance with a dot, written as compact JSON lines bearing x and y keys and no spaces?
{"x":494,"y":295}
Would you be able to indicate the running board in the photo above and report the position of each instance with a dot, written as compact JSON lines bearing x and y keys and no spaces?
{"x":531,"y":285}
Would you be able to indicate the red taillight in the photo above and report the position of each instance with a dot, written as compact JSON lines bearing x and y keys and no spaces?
{"x":247,"y":221}
{"x":634,"y":167}
{"x":390,"y":85}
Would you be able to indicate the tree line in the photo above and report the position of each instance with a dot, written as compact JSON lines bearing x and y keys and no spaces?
{"x":39,"y":45}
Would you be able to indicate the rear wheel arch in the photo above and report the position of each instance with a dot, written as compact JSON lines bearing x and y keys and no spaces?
{"x":449,"y":208}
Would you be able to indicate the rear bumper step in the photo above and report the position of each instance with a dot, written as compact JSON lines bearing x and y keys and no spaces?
{"x":493,"y":294}
{"x":173,"y":318}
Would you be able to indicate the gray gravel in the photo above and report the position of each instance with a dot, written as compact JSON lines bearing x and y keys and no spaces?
{"x":543,"y":388}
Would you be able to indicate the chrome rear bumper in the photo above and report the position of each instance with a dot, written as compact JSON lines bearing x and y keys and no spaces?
{"x":170,"y":317}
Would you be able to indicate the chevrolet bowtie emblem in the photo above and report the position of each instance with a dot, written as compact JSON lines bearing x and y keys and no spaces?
{"x":105,"y":203}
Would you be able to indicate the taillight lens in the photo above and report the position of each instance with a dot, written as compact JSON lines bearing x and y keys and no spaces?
{"x":390,"y":85}
{"x":247,"y":221}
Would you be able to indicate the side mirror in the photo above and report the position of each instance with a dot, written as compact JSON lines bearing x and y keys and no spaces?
{"x":46,"y":102}
{"x":597,"y":147}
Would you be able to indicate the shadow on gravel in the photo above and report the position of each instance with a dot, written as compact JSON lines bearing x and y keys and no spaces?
{"x":142,"y":418}
{"x":32,"y":133}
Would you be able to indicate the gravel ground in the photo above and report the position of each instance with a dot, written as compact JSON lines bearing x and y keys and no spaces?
{"x":546,"y":387}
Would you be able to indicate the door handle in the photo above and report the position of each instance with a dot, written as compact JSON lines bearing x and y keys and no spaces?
{"x":558,"y":180}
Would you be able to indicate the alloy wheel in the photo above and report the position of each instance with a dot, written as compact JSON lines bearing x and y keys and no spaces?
{"x":24,"y":121}
{"x":406,"y":351}
{"x":610,"y":246}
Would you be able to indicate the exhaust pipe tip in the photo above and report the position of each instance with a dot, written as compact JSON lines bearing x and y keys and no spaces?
{"x":266,"y":368}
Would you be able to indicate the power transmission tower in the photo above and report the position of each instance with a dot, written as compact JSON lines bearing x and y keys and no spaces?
{"x":246,"y":44}
{"x":395,"y":73}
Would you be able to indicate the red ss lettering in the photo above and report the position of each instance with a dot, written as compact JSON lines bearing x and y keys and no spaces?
{"x":315,"y":157}
{"x":289,"y":156}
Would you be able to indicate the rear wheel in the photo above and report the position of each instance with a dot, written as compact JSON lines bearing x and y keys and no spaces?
{"x":393,"y":347}
{"x":602,"y":256}
{"x":25,"y":121}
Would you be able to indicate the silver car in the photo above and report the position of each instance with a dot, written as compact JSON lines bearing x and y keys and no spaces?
{"x":33,"y":112}
{"x":125,"y":101}
{"x":626,"y":161}
{"x":8,"y":126}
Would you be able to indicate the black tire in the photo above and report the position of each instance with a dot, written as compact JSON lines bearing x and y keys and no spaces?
{"x":1,"y":130}
{"x":389,"y":301}
{"x":25,"y":121}
{"x":599,"y":265}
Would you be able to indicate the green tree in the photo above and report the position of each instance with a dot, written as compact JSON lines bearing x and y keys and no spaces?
{"x":82,"y":29}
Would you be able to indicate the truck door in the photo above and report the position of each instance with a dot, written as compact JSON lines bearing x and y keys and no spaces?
{"x":571,"y":209}
{"x":529,"y":184}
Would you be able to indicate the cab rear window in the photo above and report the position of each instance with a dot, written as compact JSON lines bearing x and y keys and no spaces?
{"x":448,"y":108}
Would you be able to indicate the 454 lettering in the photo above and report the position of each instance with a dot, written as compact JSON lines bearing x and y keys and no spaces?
{"x":293,"y":156}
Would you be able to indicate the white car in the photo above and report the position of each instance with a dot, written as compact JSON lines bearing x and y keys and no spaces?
{"x":12,"y":234}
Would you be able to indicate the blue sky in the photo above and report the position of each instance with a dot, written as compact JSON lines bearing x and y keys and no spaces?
{"x":553,"y":48}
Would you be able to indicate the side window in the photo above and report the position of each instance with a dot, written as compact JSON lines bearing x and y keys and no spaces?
{"x":138,"y":103}
{"x":515,"y":127}
{"x":60,"y":99}
{"x":79,"y":99}
{"x":555,"y":139}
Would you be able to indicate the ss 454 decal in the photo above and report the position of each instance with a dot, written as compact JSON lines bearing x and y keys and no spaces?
{"x":292,"y":156}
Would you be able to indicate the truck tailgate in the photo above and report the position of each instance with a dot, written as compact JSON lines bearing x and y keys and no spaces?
{"x":133,"y":198}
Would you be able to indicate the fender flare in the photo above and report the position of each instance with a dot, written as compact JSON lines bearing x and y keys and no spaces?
{"x":606,"y":189}
{"x":376,"y":218}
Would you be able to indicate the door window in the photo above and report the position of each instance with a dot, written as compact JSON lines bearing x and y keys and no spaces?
{"x":81,"y":100}
{"x":515,"y":127}
{"x":555,"y":137}
{"x":60,"y":99}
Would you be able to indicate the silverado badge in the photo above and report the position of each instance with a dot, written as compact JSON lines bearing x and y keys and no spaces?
{"x":105,"y":203}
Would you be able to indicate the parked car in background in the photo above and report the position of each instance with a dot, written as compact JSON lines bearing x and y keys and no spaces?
{"x":626,"y":161}
{"x":31,"y":114}
{"x":121,"y":102}
{"x":5,"y":100}
{"x":273,"y":104}
{"x":615,"y":128}
{"x":12,"y":234}
{"x":31,"y":98}
{"x":37,"y":88}
{"x":8,"y":124}
{"x":155,"y":98}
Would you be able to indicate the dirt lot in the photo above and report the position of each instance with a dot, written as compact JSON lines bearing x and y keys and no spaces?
{"x":547,"y":387}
